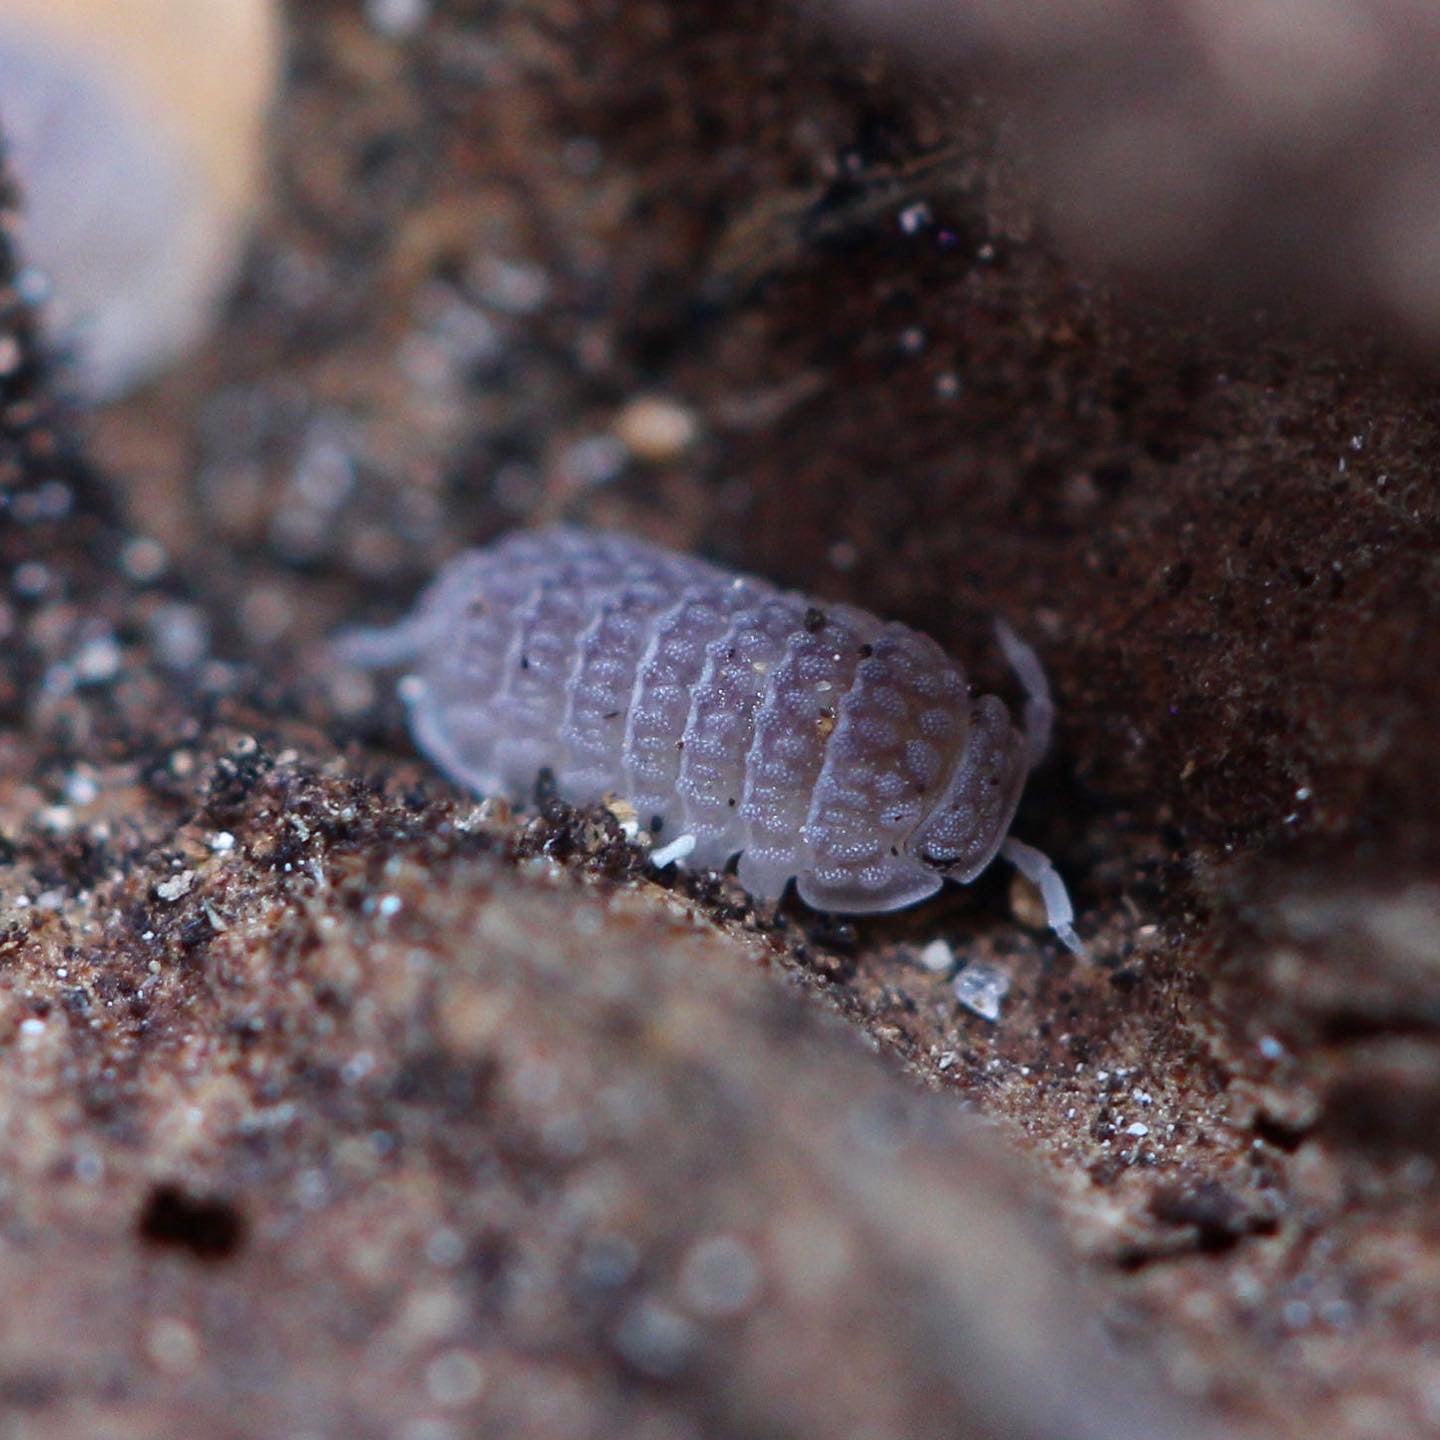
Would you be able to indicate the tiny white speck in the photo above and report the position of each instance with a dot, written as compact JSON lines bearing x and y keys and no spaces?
{"x":98,"y":660}
{"x":222,"y":841}
{"x":57,"y":819}
{"x":357,"y":1067}
{"x":1271,"y":1048}
{"x":389,"y":905}
{"x":914,"y":218}
{"x":1137,"y":1130}
{"x":32,"y":1027}
{"x":179,"y":635}
{"x":680,"y":848}
{"x":80,"y":789}
{"x":179,"y":885}
{"x":938,"y":957}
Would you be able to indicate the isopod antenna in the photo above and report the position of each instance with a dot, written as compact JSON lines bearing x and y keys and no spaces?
{"x":1039,"y":707}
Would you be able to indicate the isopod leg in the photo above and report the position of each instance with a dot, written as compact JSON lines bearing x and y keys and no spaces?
{"x":1038,"y":870}
{"x":377,"y":649}
{"x":1039,"y":707}
{"x":677,"y":852}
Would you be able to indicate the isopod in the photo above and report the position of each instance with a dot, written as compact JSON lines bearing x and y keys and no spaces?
{"x":813,"y":740}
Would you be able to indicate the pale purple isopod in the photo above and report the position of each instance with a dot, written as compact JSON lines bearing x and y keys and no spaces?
{"x":818,"y":742}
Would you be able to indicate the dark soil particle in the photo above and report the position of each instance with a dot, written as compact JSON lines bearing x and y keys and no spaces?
{"x":207,"y":1227}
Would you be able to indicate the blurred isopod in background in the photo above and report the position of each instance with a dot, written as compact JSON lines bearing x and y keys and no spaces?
{"x":136,"y":130}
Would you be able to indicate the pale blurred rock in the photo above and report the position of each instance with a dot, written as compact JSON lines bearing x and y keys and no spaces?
{"x":136,"y":132}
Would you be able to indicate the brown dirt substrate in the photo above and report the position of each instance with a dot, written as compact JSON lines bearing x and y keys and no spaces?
{"x":331,"y":1103}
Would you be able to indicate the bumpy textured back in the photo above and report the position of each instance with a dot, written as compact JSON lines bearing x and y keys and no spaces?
{"x":819,"y":741}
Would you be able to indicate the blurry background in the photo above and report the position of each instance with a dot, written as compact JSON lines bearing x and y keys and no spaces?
{"x":1121,"y":327}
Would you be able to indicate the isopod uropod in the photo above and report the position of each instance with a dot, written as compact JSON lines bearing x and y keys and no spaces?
{"x":812,"y":739}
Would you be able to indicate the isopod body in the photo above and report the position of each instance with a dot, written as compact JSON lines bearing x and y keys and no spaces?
{"x":814,"y":740}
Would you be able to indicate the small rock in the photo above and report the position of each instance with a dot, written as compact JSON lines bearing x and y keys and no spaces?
{"x":981,"y":988}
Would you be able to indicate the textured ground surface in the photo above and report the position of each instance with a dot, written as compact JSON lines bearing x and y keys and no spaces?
{"x":310,"y":1069}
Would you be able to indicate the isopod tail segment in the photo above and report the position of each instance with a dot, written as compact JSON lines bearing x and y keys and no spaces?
{"x":1033,"y":864}
{"x":376,"y":648}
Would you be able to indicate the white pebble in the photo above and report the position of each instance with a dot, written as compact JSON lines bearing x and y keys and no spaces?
{"x":981,"y":988}
{"x":915,"y":218}
{"x":98,"y":660}
{"x":938,"y":957}
{"x":176,"y":887}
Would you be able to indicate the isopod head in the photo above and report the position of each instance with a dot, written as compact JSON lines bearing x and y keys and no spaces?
{"x":958,"y":834}
{"x":967,"y":825}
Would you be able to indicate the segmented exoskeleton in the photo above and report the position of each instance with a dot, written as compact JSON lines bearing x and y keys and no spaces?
{"x":814,"y":740}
